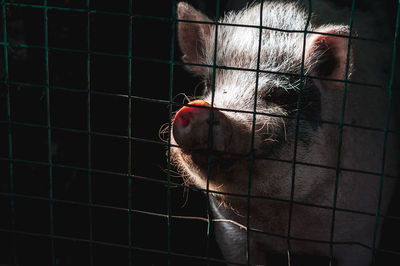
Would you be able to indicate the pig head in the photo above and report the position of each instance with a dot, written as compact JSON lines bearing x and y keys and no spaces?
{"x":270,"y":125}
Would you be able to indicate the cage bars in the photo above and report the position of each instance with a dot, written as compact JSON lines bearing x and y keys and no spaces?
{"x":83,"y":240}
{"x":130,"y":125}
{"x":170,"y":97}
{"x":210,"y":128}
{"x":339,"y":152}
{"x":162,"y":61}
{"x":50,"y":128}
{"x":294,"y":158}
{"x":49,"y":133}
{"x":121,"y":246}
{"x":253,"y":129}
{"x":385,"y":138}
{"x":172,"y":216}
{"x":89,"y":134}
{"x":148,"y":213}
{"x":170,"y":19}
{"x":57,"y":88}
{"x":153,"y":180}
{"x":10,"y":139}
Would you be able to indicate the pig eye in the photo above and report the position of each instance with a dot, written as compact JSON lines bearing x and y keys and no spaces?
{"x":275,"y":94}
{"x":281,"y":96}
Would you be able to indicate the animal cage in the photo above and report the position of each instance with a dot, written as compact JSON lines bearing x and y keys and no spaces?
{"x":85,"y":177}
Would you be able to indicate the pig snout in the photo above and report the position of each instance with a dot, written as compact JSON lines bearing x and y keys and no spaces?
{"x":191,"y":127}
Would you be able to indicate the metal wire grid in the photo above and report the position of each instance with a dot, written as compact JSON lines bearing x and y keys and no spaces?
{"x":172,"y":104}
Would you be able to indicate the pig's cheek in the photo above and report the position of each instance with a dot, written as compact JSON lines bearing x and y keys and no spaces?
{"x":223,"y":136}
{"x":195,"y":160}
{"x":221,"y":139}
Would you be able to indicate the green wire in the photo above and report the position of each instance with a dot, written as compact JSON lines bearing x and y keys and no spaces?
{"x":210,"y":129}
{"x":89,"y":134}
{"x":11,"y":160}
{"x":162,"y":61}
{"x":253,"y":127}
{"x":170,"y":97}
{"x":169,"y":19}
{"x":154,"y":180}
{"x":299,"y":99}
{"x":10,"y":139}
{"x":393,"y":66}
{"x":49,"y":135}
{"x":130,"y":125}
{"x":338,"y":170}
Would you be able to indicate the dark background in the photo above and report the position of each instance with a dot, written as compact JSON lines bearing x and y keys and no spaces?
{"x":107,"y":222}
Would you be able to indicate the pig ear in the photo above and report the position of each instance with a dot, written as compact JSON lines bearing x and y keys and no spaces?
{"x":192,"y":36}
{"x":328,"y":54}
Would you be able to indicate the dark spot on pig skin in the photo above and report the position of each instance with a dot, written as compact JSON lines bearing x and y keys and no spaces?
{"x":311,"y":104}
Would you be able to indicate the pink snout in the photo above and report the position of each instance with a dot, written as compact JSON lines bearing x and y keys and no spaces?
{"x":191,"y":127}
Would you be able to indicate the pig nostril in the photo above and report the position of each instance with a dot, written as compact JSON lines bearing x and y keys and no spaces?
{"x":184,"y":120}
{"x":184,"y":116}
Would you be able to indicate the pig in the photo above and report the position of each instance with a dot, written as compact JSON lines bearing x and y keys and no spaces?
{"x":288,"y":140}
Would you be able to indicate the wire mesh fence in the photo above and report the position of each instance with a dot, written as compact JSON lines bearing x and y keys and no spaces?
{"x":86,"y":179}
